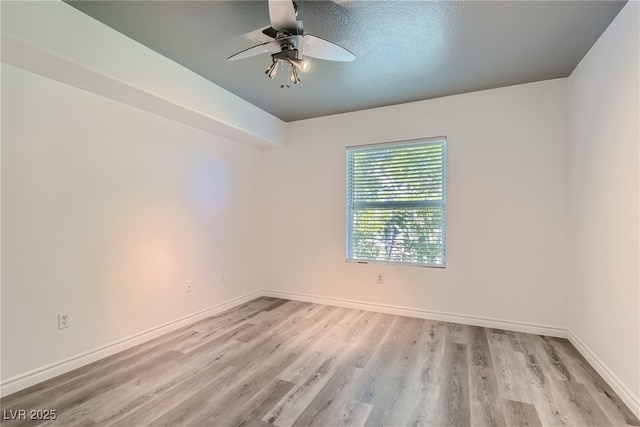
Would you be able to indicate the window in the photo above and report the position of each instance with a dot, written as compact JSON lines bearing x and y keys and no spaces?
{"x":396,"y":203}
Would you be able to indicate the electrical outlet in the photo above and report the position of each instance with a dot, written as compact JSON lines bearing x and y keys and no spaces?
{"x":63,"y":321}
{"x":380,"y":278}
{"x":189,"y":286}
{"x":222,"y":278}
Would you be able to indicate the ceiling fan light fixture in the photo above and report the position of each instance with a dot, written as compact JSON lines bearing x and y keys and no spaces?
{"x":300,"y":64}
{"x":295,"y":79}
{"x":272,"y":70}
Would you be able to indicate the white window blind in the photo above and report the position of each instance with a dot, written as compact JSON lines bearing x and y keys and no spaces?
{"x":396,"y":197}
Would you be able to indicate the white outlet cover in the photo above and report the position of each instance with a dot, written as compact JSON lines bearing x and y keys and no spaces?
{"x":64,"y":321}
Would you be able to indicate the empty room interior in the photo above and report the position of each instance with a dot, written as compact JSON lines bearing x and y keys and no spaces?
{"x":341,"y":212}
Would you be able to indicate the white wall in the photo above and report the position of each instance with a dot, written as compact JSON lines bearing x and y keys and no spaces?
{"x":506,"y":211}
{"x":604,"y":295}
{"x":106,"y":211}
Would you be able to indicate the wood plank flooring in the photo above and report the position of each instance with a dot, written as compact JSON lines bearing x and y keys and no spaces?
{"x":283,"y":363}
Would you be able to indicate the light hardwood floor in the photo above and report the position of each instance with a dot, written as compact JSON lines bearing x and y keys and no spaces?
{"x":279,"y":362}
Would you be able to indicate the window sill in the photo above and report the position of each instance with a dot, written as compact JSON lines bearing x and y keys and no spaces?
{"x":395,"y":263}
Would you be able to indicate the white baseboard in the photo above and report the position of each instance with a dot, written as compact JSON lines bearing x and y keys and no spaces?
{"x":423,"y":314}
{"x":632,"y":401}
{"x":22,"y":381}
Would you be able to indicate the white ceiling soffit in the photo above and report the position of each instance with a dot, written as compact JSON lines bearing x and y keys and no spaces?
{"x":405,"y":50}
{"x":54,"y":40}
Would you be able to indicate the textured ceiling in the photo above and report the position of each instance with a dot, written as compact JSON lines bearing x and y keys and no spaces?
{"x":405,"y":50}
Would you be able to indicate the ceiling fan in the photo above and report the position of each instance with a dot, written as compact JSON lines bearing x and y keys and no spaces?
{"x":290,"y":45}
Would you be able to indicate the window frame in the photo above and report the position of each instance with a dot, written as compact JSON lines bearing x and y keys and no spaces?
{"x":426,"y":203}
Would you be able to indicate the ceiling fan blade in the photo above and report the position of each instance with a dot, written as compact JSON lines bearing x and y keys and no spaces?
{"x":257,"y":36}
{"x":268,"y":47}
{"x":320,"y":48}
{"x":282,"y":14}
